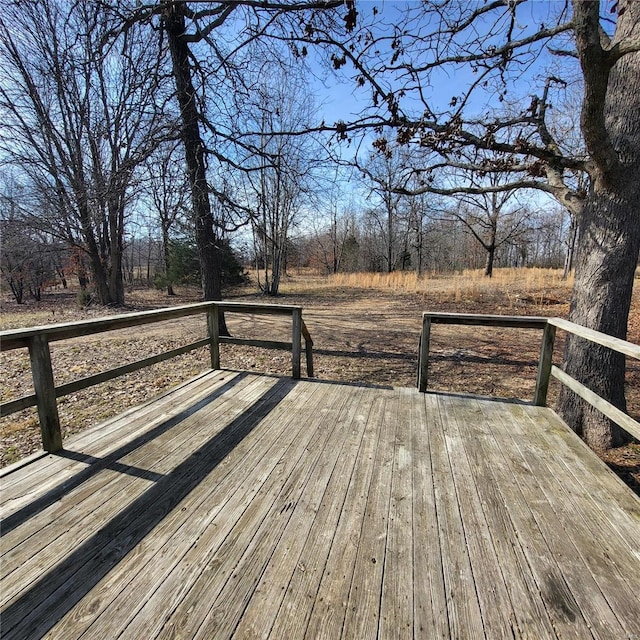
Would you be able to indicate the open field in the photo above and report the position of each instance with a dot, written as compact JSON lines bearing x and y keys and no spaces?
{"x":365,"y":329}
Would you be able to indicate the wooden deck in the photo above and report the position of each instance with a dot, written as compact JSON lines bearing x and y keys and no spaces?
{"x":250,"y":506}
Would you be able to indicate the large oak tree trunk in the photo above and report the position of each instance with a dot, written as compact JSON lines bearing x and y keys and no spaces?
{"x":605,"y":266}
{"x":609,"y":226}
{"x":209,"y":254}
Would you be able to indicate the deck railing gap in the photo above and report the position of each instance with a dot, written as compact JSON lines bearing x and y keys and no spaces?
{"x":546,"y":368}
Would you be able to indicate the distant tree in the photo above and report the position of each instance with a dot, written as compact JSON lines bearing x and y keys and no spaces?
{"x":184,"y":265}
{"x":383,"y":175}
{"x":490,"y":220}
{"x":25,"y":260}
{"x":199,"y":59}
{"x":166,"y":191}
{"x":335,"y":242}
{"x":284,"y":178}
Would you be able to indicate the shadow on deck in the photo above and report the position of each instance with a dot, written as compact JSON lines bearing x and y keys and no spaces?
{"x":245,"y":506}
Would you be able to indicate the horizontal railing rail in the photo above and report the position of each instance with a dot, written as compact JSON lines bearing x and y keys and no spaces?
{"x":616,"y":344}
{"x":485,"y":320}
{"x":37,"y":340}
{"x":546,"y":368}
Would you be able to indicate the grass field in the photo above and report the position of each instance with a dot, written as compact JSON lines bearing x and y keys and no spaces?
{"x":365,"y":328}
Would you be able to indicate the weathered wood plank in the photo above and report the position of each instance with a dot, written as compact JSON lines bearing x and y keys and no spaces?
{"x":166,"y":565}
{"x":7,"y":408}
{"x":481,"y":449}
{"x":296,"y":343}
{"x":544,"y":365}
{"x":44,"y":387}
{"x":213,"y":331}
{"x":463,"y":609}
{"x":70,"y":505}
{"x":610,"y":498}
{"x":19,"y":478}
{"x":284,"y":484}
{"x":363,"y":606}
{"x":48,"y":599}
{"x":256,"y":513}
{"x":259,"y":308}
{"x":582,"y":561}
{"x":487,"y":320}
{"x":303,"y":495}
{"x":430,"y":604}
{"x":491,"y":585}
{"x":308,"y":349}
{"x":396,"y":601}
{"x":613,"y":560}
{"x":32,"y":482}
{"x":423,"y":357}
{"x":622,"y":346}
{"x":17,"y":338}
{"x":108,"y":493}
{"x":250,"y":342}
{"x":319,"y":515}
{"x":316,"y":597}
{"x":530,"y":513}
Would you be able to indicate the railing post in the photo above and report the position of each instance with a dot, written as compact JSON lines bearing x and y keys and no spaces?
{"x":296,"y":342}
{"x":214,"y":335}
{"x":544,"y":365}
{"x":44,"y":388}
{"x":423,"y":357}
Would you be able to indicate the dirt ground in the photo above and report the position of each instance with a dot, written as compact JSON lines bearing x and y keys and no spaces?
{"x":361,"y":334}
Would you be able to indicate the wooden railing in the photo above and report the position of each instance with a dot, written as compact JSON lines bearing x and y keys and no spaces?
{"x":37,"y":340}
{"x":546,"y":368}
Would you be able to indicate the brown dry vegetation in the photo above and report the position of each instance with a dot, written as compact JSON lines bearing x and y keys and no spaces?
{"x":365,"y":328}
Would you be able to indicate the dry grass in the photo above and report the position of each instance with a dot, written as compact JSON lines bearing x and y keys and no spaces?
{"x":536,"y":284}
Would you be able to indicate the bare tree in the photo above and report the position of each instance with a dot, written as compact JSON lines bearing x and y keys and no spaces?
{"x":167,"y":195}
{"x":198,"y":53}
{"x":331,"y":241}
{"x":384,"y":175}
{"x":489,"y":219}
{"x":284,"y":178}
{"x":80,"y":116}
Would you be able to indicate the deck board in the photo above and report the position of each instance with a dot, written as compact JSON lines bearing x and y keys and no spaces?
{"x":251,"y":506}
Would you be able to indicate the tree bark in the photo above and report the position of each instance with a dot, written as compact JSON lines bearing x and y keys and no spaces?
{"x":116,"y":246}
{"x":488,"y":265}
{"x":571,"y":246}
{"x":174,"y":25}
{"x":608,"y":237}
{"x":166,"y":252}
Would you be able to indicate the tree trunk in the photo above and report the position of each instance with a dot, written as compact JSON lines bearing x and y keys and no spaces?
{"x":571,"y":246}
{"x":608,"y":239}
{"x":334,"y":241}
{"x":488,"y":267}
{"x":174,"y":25}
{"x":116,"y":249}
{"x":166,"y":252}
{"x":389,"y":239}
{"x":605,"y":265}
